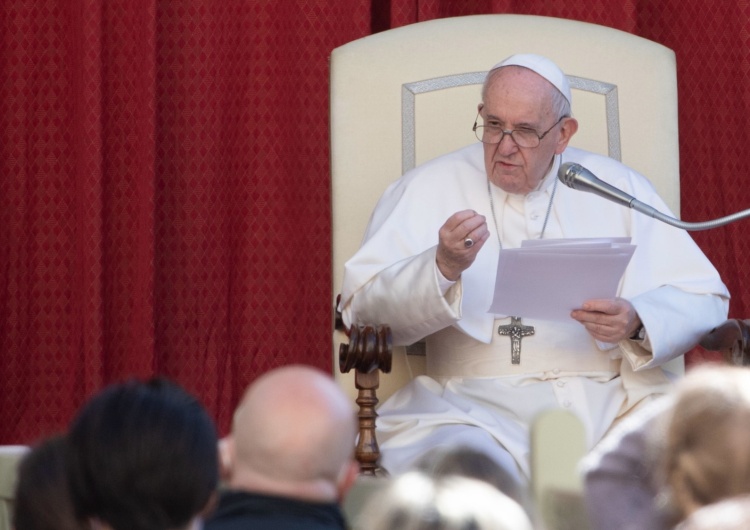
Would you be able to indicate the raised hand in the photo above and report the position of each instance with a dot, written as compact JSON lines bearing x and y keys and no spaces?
{"x":461,"y":237}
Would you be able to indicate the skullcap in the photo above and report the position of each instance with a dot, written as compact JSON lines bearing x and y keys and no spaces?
{"x":542,"y":66}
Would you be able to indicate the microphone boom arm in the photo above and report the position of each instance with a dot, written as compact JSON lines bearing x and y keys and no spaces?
{"x":702,"y":225}
{"x":577,"y":177}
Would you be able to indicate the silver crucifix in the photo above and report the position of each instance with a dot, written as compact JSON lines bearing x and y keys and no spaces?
{"x":517,"y":331}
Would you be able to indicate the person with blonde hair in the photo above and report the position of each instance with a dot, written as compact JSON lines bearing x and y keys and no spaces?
{"x":417,"y":501}
{"x":707,"y":451}
{"x":684,"y":451}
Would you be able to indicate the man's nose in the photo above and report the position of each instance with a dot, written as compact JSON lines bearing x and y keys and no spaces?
{"x":507,"y":144}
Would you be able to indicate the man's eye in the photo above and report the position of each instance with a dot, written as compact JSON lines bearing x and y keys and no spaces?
{"x":526,"y":131}
{"x":493,"y":124}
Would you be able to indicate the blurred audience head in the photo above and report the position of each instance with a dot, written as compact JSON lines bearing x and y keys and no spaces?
{"x":707,"y":452}
{"x":142,"y":456}
{"x":417,"y":501}
{"x":42,"y":497}
{"x":294,"y":435}
{"x":468,"y":462}
{"x":729,"y":514}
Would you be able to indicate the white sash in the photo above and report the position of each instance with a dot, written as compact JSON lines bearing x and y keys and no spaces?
{"x":551,"y":352}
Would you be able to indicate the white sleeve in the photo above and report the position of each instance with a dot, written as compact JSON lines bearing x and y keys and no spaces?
{"x":675,"y":321}
{"x":408,"y":297}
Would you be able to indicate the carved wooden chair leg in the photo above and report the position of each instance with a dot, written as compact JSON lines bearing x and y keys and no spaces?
{"x":368,"y":451}
{"x":369,"y":350}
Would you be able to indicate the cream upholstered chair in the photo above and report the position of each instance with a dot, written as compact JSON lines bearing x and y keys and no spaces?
{"x":10,"y":457}
{"x":404,"y":96}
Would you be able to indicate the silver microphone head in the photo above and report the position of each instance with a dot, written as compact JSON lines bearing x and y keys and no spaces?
{"x":579,"y":178}
{"x":568,"y":173}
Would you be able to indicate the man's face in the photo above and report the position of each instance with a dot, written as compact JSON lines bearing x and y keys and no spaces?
{"x":518,"y":98}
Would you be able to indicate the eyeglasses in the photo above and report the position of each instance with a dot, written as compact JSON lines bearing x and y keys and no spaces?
{"x":493,"y":133}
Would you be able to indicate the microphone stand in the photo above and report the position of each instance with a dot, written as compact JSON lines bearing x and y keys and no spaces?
{"x":703,"y":225}
{"x":569,"y":170}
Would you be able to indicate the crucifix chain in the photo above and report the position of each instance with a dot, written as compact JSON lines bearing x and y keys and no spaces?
{"x":516,"y":330}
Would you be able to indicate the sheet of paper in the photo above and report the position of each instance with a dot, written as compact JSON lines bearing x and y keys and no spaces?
{"x":547,"y":279}
{"x":576,"y":241}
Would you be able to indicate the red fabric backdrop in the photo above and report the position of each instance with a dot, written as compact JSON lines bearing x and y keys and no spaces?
{"x":164,"y":196}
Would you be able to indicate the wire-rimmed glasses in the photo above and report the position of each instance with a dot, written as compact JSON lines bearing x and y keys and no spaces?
{"x":493,"y":133}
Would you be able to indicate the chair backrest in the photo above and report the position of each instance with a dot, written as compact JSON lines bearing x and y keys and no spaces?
{"x":10,"y":458}
{"x":404,"y":96}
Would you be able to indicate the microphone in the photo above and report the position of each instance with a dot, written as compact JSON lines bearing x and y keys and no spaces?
{"x":579,"y":178}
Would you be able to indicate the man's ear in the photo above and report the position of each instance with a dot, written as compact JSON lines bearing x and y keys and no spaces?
{"x":226,"y":450}
{"x":568,"y":128}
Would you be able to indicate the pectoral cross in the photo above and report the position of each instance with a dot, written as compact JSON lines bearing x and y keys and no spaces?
{"x":517,"y":331}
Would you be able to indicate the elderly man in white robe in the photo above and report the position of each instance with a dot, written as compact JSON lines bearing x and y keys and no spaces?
{"x":427,"y":268}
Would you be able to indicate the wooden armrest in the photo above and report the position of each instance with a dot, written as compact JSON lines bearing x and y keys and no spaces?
{"x":369,"y":351}
{"x":732,"y":338}
{"x":370,"y":348}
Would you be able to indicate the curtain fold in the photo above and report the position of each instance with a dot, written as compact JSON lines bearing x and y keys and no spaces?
{"x":164,"y":185}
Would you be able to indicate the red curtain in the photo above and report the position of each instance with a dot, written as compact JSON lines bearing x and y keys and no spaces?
{"x":164,"y":196}
{"x":164,"y":200}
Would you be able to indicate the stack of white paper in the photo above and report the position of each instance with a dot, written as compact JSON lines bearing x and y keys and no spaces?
{"x":547,"y":279}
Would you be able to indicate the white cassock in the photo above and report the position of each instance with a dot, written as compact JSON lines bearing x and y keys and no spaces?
{"x":472,"y":394}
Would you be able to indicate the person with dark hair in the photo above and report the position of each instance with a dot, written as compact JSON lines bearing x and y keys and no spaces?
{"x":142,"y":456}
{"x":42,"y":497}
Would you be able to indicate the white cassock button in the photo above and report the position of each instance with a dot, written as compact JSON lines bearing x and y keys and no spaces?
{"x":566,"y":403}
{"x":556,"y":371}
{"x":561,"y":384}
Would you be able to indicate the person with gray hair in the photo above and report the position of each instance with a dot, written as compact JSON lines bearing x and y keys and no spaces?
{"x":290,"y":456}
{"x":429,"y":260}
{"x":417,"y":501}
{"x":732,"y":513}
{"x":468,"y":462}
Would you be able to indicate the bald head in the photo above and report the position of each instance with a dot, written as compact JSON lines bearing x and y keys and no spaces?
{"x":293,"y":426}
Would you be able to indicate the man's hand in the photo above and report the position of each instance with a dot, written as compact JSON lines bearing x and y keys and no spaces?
{"x":608,"y":320}
{"x":453,"y":257}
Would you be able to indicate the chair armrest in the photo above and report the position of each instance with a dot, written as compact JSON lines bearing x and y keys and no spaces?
{"x":370,"y":350}
{"x":732,"y":338}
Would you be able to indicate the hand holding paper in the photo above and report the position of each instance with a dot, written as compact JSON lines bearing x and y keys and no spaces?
{"x":547,"y":279}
